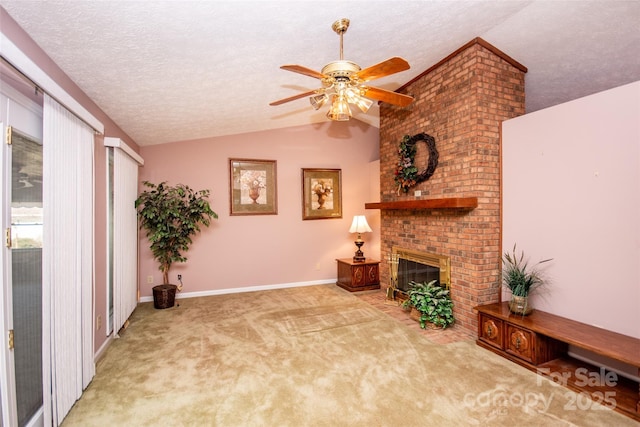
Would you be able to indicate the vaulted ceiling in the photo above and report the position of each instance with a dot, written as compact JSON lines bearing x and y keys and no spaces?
{"x":178,"y":70}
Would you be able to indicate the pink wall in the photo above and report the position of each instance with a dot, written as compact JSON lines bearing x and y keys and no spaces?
{"x":571,"y":192}
{"x":33,"y":51}
{"x":243,"y":251}
{"x":266,"y":250}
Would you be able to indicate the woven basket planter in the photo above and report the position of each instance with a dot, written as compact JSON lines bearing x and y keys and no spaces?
{"x":415,"y":315}
{"x":164,"y":296}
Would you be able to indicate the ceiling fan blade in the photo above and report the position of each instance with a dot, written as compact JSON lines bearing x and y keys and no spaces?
{"x":385,"y":68}
{"x":384,"y":95}
{"x":303,"y":70}
{"x":294,"y":97}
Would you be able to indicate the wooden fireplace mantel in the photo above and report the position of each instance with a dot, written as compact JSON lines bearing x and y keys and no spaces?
{"x":440,"y":203}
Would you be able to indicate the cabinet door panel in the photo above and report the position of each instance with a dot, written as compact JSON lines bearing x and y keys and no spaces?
{"x":357,"y":275}
{"x":520,"y":343}
{"x":491,"y":330}
{"x":372,"y":274}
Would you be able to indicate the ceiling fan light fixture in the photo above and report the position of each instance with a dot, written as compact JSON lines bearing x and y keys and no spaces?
{"x":364,"y":104}
{"x":354,"y":98}
{"x":339,"y":110}
{"x":342,"y":83}
{"x":318,"y":101}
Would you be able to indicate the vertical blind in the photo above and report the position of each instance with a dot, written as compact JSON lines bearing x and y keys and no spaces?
{"x":68,"y":259}
{"x":125,"y":238}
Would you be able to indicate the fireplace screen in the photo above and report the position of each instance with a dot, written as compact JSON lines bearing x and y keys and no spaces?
{"x":416,"y":266}
{"x":411,"y":271}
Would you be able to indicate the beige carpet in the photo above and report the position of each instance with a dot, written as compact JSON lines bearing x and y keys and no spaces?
{"x":310,"y":356}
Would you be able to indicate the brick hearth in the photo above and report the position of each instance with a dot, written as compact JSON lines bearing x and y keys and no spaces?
{"x":461,"y":102}
{"x":451,"y":334}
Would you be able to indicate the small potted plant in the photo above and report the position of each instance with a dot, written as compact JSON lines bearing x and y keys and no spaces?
{"x":171,"y":215}
{"x":521,"y":280}
{"x":433,"y":303}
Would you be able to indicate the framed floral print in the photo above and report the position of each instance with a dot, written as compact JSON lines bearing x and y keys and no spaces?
{"x":321,"y":193}
{"x":253,"y":187}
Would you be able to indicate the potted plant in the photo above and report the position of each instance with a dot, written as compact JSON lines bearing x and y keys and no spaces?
{"x":171,"y":215}
{"x":432,"y":301}
{"x":521,"y":279}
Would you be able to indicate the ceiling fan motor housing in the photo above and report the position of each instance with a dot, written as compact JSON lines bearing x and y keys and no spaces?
{"x":341,"y":68}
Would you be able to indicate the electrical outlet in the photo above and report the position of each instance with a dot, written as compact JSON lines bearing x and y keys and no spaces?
{"x":98,"y":322}
{"x":149,"y":279}
{"x":318,"y":266}
{"x":179,"y":276}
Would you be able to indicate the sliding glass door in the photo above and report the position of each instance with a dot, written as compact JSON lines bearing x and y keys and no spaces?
{"x":26,"y":272}
{"x":21,"y":217}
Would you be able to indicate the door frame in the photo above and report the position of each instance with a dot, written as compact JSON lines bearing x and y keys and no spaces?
{"x":25,"y":116}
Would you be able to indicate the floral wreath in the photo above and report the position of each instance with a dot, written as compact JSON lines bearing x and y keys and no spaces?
{"x":407,"y":174}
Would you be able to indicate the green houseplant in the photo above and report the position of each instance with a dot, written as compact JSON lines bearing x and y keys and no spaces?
{"x":432,"y":301}
{"x":171,"y":215}
{"x":521,"y":279}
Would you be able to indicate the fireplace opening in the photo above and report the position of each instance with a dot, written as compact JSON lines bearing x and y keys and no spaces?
{"x":411,"y":271}
{"x":417,"y":266}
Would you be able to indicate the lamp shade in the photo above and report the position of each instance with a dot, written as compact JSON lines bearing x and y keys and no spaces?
{"x":359,"y":225}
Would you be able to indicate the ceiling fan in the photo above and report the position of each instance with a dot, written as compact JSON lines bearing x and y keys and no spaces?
{"x":344,"y":83}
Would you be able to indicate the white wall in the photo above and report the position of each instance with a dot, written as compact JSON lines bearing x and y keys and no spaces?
{"x":571,"y":192}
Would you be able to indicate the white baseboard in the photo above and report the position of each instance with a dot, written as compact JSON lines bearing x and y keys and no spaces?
{"x":98,"y":354}
{"x":182,"y":295}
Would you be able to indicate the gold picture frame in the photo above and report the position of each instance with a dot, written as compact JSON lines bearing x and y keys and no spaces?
{"x":321,"y":193}
{"x":252,"y":187}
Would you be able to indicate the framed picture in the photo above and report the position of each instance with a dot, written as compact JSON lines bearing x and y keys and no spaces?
{"x":321,"y":193}
{"x":253,"y":187}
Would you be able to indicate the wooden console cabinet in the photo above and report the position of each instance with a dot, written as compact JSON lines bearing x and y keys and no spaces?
{"x":358,"y":276}
{"x":540,"y":341}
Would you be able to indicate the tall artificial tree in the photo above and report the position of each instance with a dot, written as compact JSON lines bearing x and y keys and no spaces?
{"x":171,"y":215}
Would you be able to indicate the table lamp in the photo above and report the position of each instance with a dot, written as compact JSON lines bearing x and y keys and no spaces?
{"x":359,"y":225}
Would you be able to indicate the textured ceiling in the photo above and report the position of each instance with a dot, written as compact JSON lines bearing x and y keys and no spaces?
{"x":178,"y":70}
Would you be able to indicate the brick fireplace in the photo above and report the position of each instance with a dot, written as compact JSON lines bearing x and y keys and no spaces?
{"x":461,"y":102}
{"x":418,"y":266}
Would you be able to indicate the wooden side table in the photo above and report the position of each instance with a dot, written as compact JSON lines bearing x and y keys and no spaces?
{"x":358,"y":276}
